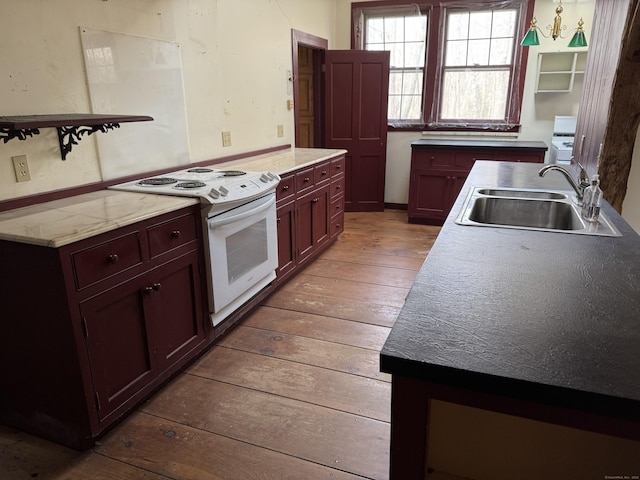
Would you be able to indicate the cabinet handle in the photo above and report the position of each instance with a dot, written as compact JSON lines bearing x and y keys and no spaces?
{"x":175,"y":234}
{"x":278,"y":220}
{"x":285,"y":188}
{"x":324,"y":172}
{"x":338,"y":187}
{"x":152,"y":288}
{"x":113,"y":258}
{"x":339,"y":166}
{"x":315,"y":200}
{"x":306,"y":179}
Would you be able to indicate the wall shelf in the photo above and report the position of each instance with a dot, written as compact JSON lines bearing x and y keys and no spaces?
{"x":557,"y":71}
{"x":70,"y":126}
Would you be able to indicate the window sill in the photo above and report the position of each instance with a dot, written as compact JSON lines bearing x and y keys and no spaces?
{"x":487,"y":129}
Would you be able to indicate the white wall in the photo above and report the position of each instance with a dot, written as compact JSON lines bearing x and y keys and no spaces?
{"x":234,"y":53}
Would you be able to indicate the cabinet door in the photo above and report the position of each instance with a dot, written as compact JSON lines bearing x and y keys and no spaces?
{"x":175,"y":310}
{"x":117,"y":344}
{"x":286,"y":238}
{"x":312,"y":218}
{"x":433,"y":193}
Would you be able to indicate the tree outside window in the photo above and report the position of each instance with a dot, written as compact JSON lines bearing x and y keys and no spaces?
{"x":451,"y":66}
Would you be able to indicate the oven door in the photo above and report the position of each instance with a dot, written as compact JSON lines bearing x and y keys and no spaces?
{"x":243,"y":254}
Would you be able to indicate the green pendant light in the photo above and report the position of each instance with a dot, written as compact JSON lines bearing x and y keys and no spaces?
{"x":579,"y":39}
{"x":531,"y":38}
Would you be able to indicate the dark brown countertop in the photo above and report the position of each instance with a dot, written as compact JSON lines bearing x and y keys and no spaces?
{"x":480,"y":143}
{"x":546,"y":317}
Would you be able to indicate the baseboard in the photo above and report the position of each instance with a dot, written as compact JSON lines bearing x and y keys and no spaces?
{"x":396,"y":206}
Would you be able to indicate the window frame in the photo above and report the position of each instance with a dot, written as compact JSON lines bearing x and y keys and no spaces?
{"x":435,"y":51}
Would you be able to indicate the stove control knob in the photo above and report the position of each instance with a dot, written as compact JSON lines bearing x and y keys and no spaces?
{"x":264,"y":178}
{"x":224,"y":191}
{"x":272,"y":176}
{"x":214,"y":193}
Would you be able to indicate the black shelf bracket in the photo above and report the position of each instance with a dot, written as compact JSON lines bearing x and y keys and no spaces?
{"x":69,"y":136}
{"x":7,"y":133}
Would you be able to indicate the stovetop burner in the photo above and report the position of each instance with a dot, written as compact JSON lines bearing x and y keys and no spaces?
{"x":158,"y":181}
{"x":220,"y":189}
{"x":191,"y":184}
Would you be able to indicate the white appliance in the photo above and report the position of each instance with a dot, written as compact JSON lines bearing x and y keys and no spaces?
{"x":564,"y":130}
{"x":239,"y":225}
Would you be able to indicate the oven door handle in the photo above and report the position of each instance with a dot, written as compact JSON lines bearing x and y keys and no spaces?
{"x":218,"y":222}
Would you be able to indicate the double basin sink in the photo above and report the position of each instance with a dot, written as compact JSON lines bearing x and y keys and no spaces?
{"x":530,"y":209}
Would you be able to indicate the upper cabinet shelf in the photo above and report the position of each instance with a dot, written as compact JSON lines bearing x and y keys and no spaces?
{"x":557,"y":70}
{"x":70,"y":126}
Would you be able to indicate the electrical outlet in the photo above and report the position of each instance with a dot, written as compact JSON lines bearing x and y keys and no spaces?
{"x":281,"y":130}
{"x":226,"y":139}
{"x":21,"y":167}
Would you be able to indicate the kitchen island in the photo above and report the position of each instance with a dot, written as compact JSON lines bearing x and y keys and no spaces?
{"x":538,"y":324}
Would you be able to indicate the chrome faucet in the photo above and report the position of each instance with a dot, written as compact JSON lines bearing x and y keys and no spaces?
{"x":578,"y":187}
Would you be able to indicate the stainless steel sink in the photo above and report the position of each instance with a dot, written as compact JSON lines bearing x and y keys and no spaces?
{"x":529,"y":209}
{"x":522,"y":193}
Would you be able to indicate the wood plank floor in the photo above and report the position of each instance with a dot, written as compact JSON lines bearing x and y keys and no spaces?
{"x":294,"y":392}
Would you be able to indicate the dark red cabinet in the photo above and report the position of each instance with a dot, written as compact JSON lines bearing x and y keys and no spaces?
{"x":286,"y":238}
{"x":439,"y":169}
{"x":98,"y":324}
{"x":310,"y":212}
{"x":312,"y":222}
{"x":139,"y":329}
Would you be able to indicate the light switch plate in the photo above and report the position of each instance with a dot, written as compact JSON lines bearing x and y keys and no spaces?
{"x":226,"y":139}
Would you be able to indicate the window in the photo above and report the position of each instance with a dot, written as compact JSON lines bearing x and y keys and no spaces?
{"x":404,"y":37}
{"x":452,"y":67}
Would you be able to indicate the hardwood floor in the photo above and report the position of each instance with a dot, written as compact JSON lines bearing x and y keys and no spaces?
{"x":294,"y":392}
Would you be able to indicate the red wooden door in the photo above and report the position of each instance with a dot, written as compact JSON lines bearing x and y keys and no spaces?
{"x":356,"y":96}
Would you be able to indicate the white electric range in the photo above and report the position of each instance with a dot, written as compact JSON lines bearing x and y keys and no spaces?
{"x":239,"y":223}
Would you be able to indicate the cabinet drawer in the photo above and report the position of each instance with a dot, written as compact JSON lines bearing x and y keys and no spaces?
{"x":337,"y":225}
{"x":464,"y":160}
{"x":107,"y":259}
{"x":424,"y":159}
{"x":337,"y":186}
{"x":521,"y":156}
{"x":305,"y":180}
{"x":171,"y":234}
{"x":322,"y":172}
{"x":337,"y":166}
{"x":337,"y":206}
{"x":286,"y":188}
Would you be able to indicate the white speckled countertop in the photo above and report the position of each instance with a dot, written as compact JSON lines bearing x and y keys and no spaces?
{"x":284,"y":161}
{"x":61,"y":222}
